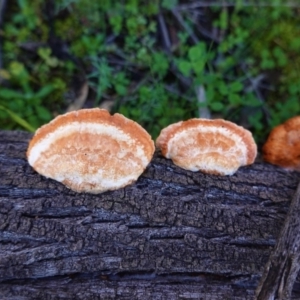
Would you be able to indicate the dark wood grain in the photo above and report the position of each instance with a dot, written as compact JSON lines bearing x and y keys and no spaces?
{"x":284,"y":264}
{"x":174,"y":234}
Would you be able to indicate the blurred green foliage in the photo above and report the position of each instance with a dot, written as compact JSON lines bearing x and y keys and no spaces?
{"x":248,"y":69}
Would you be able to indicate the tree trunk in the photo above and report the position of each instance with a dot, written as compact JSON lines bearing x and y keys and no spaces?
{"x":174,"y":234}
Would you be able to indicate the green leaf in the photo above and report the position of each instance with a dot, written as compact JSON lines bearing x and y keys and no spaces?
{"x":216,"y":106}
{"x":44,"y":53}
{"x":210,"y":93}
{"x":197,"y":52}
{"x":295,"y":45}
{"x":256,"y":120}
{"x":160,"y":64}
{"x":267,"y":64}
{"x":281,"y":56}
{"x":121,"y":89}
{"x":120,"y":83}
{"x":251,"y":100}
{"x":184,"y":67}
{"x":224,"y":19}
{"x":143,"y":55}
{"x":43,"y":113}
{"x":169,"y":4}
{"x":236,"y":86}
{"x":18,"y":119}
{"x":234,"y":99}
{"x":198,"y":67}
{"x":44,"y":91}
{"x":17,"y":69}
{"x":10,"y":94}
{"x":183,"y":36}
{"x":223,"y":88}
{"x":294,"y":88}
{"x":238,"y":5}
{"x":115,"y":21}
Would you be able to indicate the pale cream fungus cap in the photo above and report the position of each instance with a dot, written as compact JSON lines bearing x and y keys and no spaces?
{"x":90,"y":150}
{"x":212,"y":146}
{"x":282,"y":147}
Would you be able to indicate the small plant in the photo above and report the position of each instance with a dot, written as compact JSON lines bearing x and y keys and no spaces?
{"x":158,"y":62}
{"x":25,"y":108}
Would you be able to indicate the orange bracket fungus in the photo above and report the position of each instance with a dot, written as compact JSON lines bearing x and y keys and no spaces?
{"x":91,"y":151}
{"x":282,"y":147}
{"x":213,"y":146}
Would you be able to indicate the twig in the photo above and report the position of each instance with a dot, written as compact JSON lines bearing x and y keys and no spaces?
{"x":177,"y":93}
{"x":200,"y":90}
{"x":283,"y":265}
{"x":199,"y":4}
{"x":254,"y":86}
{"x":203,"y":111}
{"x":185,"y":81}
{"x":110,"y":39}
{"x":185,"y":26}
{"x":255,"y":82}
{"x":80,"y":99}
{"x":211,"y":35}
{"x":2,"y":9}
{"x":164,"y":31}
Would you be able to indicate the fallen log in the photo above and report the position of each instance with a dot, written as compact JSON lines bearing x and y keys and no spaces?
{"x":283,"y":266}
{"x":174,"y":234}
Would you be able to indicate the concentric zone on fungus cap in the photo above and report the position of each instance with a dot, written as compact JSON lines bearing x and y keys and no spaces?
{"x":91,"y":151}
{"x":282,"y":147}
{"x":212,"y":146}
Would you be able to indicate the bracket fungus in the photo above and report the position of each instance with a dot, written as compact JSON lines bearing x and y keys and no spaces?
{"x":90,"y":150}
{"x":282,"y":147}
{"x":213,"y":146}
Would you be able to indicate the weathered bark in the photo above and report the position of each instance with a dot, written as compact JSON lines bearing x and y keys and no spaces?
{"x":283,"y":266}
{"x":173,"y":234}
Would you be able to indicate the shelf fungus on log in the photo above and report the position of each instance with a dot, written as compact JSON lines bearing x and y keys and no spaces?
{"x":90,"y":150}
{"x":282,"y":147}
{"x":212,"y":146}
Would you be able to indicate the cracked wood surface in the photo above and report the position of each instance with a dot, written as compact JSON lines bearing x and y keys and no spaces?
{"x":280,"y":272}
{"x":174,"y":234}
